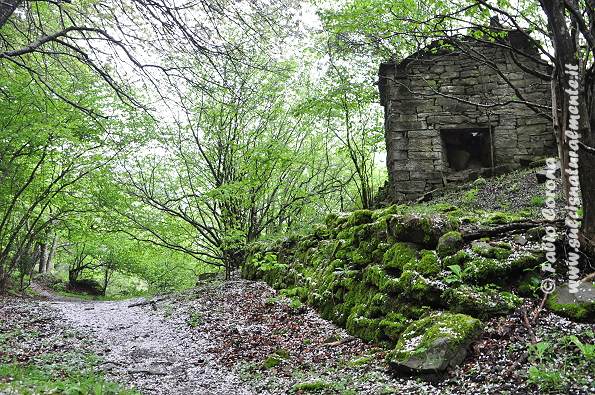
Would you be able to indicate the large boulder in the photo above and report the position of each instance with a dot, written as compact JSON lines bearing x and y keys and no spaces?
{"x":424,"y":230}
{"x":434,"y":343}
{"x":579,"y":306}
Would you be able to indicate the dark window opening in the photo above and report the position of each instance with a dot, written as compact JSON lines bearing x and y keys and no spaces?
{"x":467,"y":148}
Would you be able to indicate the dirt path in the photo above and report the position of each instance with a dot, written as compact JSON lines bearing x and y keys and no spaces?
{"x":142,"y":349}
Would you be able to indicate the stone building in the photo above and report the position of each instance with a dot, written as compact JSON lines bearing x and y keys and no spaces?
{"x":436,"y":133}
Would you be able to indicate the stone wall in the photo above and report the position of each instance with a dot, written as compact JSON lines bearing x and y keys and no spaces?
{"x":427,"y":94}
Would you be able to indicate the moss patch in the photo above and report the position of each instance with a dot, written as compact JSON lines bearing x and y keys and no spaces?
{"x":428,"y":264}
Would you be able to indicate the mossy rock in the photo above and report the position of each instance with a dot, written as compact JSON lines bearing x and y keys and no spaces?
{"x":428,"y":265}
{"x":487,"y":270}
{"x":375,"y":275}
{"x":322,"y":232}
{"x":460,"y":258}
{"x":449,"y":243}
{"x":363,"y":327}
{"x":488,"y":250}
{"x":578,"y":306}
{"x":434,"y":343}
{"x":306,"y":243}
{"x":501,"y":218}
{"x":360,"y":217}
{"x":526,"y":262}
{"x":535,"y":234}
{"x":397,"y":256}
{"x":413,"y":286}
{"x":332,"y":221}
{"x":420,"y":229}
{"x":482,"y":302}
{"x":392,"y":326}
{"x":482,"y":270}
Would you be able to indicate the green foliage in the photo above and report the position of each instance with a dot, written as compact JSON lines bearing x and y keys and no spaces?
{"x":268,"y":262}
{"x":458,"y":275}
{"x":538,"y":350}
{"x":557,"y":363}
{"x":587,"y":350}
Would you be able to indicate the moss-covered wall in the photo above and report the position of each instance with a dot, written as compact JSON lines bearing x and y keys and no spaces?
{"x":377,"y":272}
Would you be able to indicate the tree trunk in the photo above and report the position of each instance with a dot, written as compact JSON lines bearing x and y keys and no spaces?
{"x":3,"y":279}
{"x":566,"y":54}
{"x":49,"y":265}
{"x":587,"y":172}
{"x":7,"y":8}
{"x":43,"y":258}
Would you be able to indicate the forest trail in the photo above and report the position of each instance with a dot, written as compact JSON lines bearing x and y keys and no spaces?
{"x":141,"y":348}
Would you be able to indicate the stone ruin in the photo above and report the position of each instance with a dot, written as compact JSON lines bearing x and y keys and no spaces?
{"x":436,"y":134}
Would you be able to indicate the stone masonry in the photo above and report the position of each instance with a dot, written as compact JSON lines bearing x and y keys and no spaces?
{"x":436,"y":134}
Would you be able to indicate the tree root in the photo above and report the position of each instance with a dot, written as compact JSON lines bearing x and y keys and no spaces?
{"x":510,"y":227}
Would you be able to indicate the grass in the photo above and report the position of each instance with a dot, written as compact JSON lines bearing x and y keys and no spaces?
{"x":26,"y":379}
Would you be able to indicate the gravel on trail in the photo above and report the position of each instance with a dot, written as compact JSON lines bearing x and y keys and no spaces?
{"x":155,"y":355}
